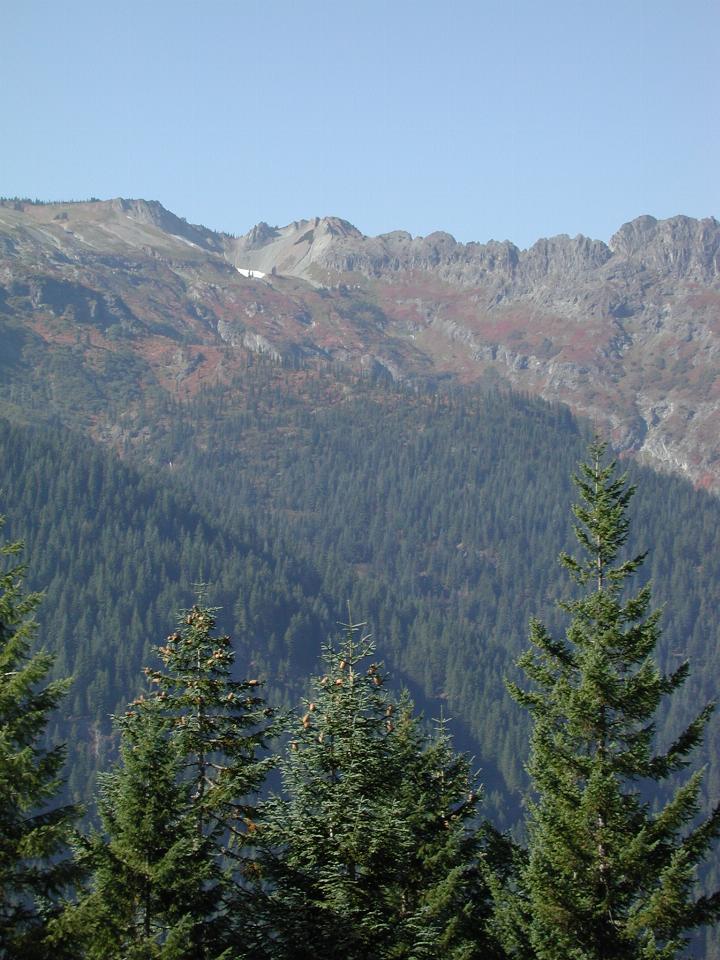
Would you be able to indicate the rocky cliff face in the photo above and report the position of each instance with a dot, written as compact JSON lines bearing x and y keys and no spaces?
{"x":626,"y":333}
{"x":680,"y":247}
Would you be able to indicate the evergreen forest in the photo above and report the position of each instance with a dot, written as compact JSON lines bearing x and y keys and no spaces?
{"x":437,"y":520}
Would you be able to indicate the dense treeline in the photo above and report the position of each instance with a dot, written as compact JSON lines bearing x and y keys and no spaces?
{"x":373,"y":847}
{"x":440,"y":517}
{"x":114,"y":551}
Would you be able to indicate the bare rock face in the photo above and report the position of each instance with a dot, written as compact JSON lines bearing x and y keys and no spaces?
{"x":625,"y":333}
{"x":260,"y":236}
{"x":154,"y":214}
{"x":564,"y":259}
{"x":680,"y":247}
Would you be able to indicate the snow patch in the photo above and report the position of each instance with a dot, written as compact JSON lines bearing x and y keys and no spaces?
{"x":184,"y":240}
{"x":253,"y":274}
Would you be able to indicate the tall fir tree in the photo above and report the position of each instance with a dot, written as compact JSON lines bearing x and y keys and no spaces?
{"x":154,"y":880}
{"x":35,"y":869}
{"x":177,"y":810}
{"x":605,"y":876}
{"x":439,"y":894}
{"x":221,"y":728}
{"x":371,"y":853}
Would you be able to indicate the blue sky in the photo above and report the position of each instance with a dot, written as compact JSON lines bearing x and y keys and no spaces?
{"x":504,"y":120}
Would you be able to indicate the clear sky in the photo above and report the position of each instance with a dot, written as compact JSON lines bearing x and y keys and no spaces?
{"x":485,"y":118}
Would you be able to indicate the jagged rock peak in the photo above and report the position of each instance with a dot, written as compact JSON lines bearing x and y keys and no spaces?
{"x":563,"y":254}
{"x":300,"y":231}
{"x":337,"y":227}
{"x":145,"y":211}
{"x":260,"y":234}
{"x":152,"y":212}
{"x":400,"y":236}
{"x":441,"y":238}
{"x":679,"y":245}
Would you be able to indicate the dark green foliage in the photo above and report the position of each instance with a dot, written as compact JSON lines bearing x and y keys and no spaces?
{"x":35,"y":869}
{"x":606,"y":876}
{"x":440,"y":890}
{"x":154,"y":880}
{"x":439,"y":516}
{"x":116,"y":549}
{"x":219,"y":727}
{"x":177,"y":809}
{"x":371,"y":854}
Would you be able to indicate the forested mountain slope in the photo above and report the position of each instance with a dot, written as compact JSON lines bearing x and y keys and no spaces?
{"x":439,"y":518}
{"x":118,"y":554}
{"x":442,"y":519}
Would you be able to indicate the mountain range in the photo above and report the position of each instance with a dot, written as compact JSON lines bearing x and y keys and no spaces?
{"x":626,"y":334}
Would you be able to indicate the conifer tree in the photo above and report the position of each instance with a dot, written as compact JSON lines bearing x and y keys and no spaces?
{"x":154,"y":881}
{"x":370,"y":855}
{"x":177,"y":809}
{"x":439,"y":892}
{"x":605,"y":876}
{"x":220,"y":727}
{"x":34,"y":831}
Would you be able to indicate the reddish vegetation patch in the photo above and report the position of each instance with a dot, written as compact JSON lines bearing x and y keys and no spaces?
{"x":704,"y":299}
{"x":520,"y":328}
{"x":45,"y":326}
{"x":706,"y":481}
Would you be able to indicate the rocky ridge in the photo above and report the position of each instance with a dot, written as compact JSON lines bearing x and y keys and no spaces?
{"x":627,"y":333}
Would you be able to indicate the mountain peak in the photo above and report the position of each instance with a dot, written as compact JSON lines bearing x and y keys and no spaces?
{"x":153,"y":213}
{"x":295,"y":249}
{"x":337,"y":227}
{"x":680,"y":245}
